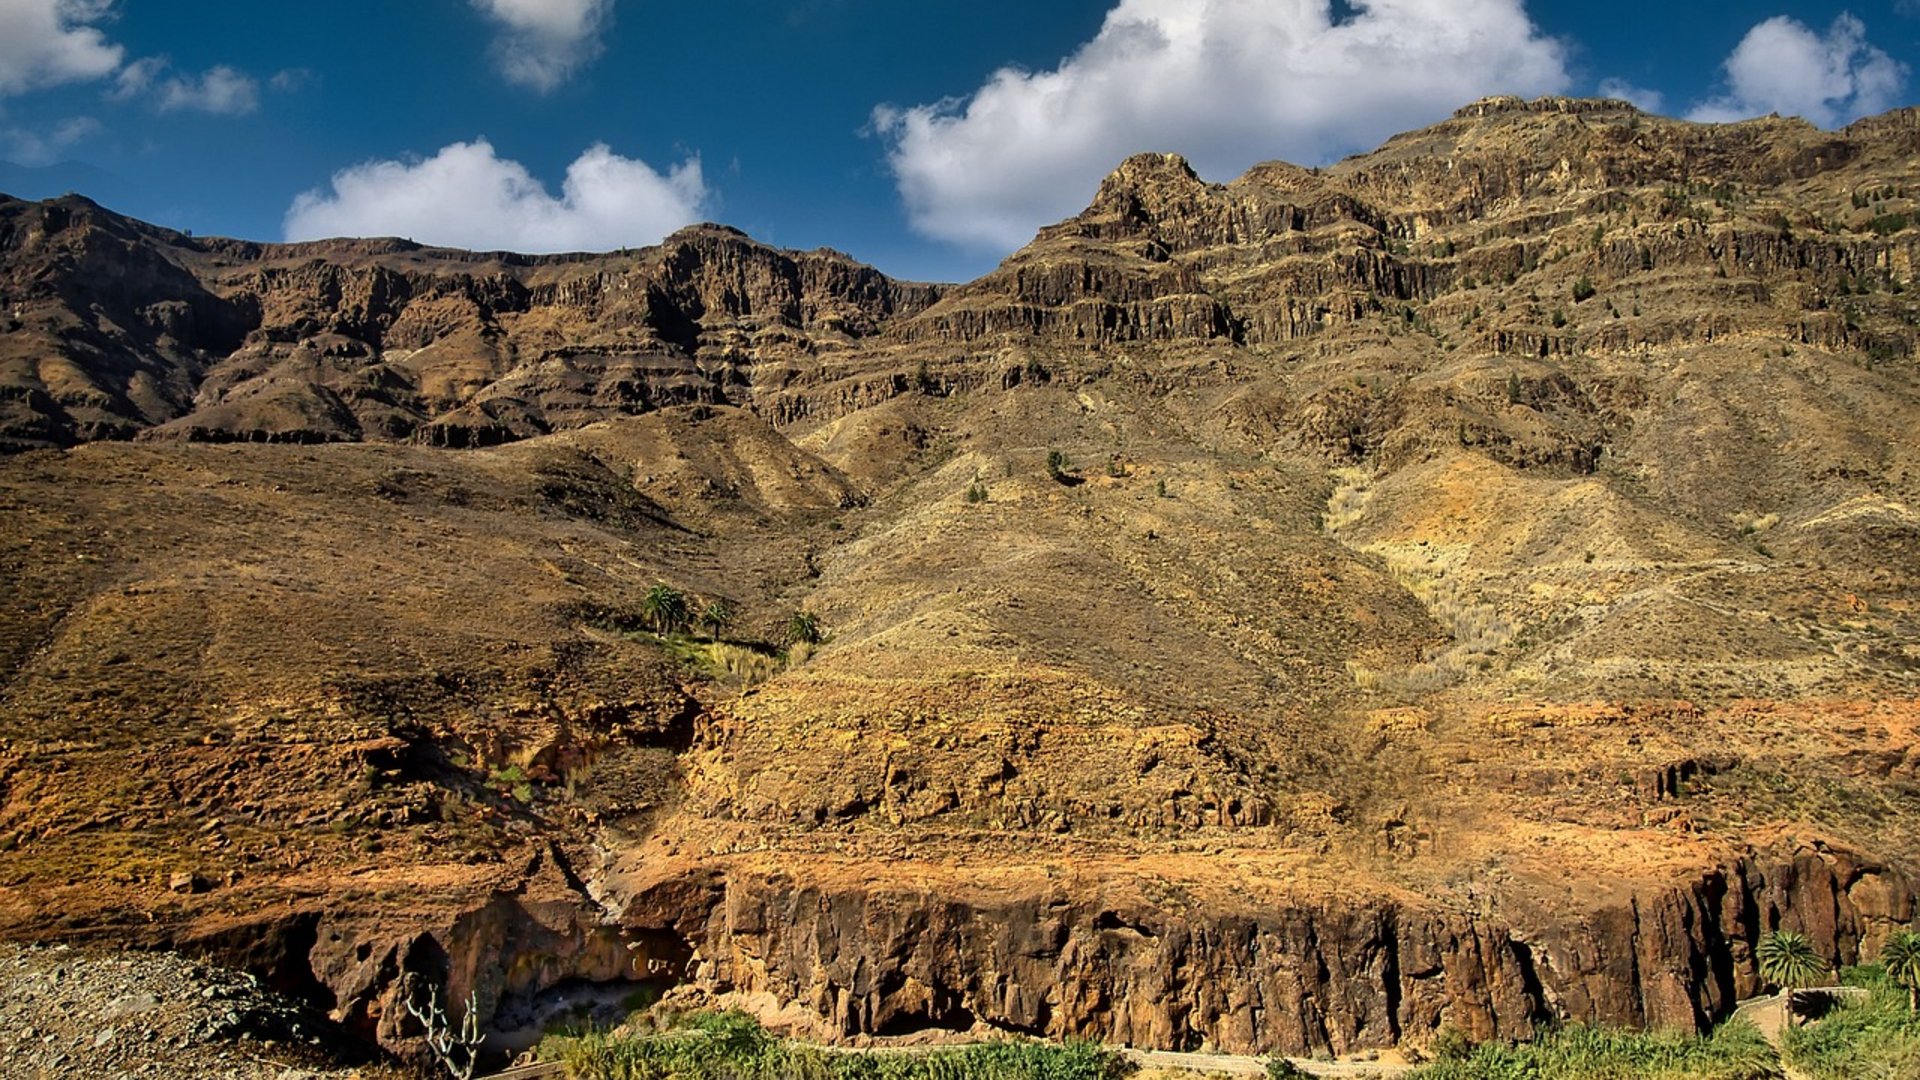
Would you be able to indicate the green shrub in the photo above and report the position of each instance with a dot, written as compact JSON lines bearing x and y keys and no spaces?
{"x":1452,"y":1044}
{"x":1888,"y":224}
{"x":1735,"y":1051}
{"x":1878,"y":1037}
{"x":803,"y":628}
{"x":732,"y":1046}
{"x":665,"y":609}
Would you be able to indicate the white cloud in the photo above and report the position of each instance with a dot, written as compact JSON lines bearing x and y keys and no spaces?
{"x":136,"y":78}
{"x":1784,"y":67}
{"x":543,"y":42}
{"x":221,"y":90}
{"x":1640,"y":97}
{"x":32,"y":148}
{"x":1225,"y":82}
{"x":467,"y":196}
{"x":292,"y":80}
{"x":47,"y":42}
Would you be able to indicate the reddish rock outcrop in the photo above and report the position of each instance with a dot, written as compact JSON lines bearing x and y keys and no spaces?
{"x":1095,"y":955}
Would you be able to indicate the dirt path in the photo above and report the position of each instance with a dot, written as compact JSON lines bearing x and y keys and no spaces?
{"x":1770,"y":1017}
{"x":1769,"y":1014}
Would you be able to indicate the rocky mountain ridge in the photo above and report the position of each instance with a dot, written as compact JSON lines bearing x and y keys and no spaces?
{"x":218,"y":340}
{"x":222,"y":340}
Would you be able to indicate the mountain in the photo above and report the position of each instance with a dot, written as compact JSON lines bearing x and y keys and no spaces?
{"x":121,"y":329}
{"x":1468,"y":586}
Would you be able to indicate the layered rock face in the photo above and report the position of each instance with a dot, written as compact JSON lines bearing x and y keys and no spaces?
{"x":216,"y":340}
{"x":1466,"y":586}
{"x":1100,"y":955}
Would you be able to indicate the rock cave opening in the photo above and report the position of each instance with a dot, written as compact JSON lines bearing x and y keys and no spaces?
{"x":523,"y":1019}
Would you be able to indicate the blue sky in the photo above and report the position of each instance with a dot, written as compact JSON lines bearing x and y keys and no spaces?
{"x":927,"y":137}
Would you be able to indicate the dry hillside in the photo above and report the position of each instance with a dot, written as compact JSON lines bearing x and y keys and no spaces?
{"x":1471,"y":584}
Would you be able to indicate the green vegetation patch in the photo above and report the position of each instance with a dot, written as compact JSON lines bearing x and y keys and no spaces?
{"x":1871,"y":1039}
{"x":1735,"y":1051}
{"x":732,"y":1046}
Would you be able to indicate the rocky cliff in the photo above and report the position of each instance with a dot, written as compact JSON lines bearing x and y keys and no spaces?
{"x":118,"y":328}
{"x":1105,"y":954}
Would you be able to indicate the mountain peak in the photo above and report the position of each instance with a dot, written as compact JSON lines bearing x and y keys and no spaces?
{"x":1143,"y":173}
{"x":1146,"y":189}
{"x":1500,"y":104}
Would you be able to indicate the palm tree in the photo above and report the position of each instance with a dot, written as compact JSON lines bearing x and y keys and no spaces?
{"x":716,"y":616}
{"x":804,"y":626}
{"x":1787,"y":961}
{"x":1901,"y":957}
{"x":665,"y":608}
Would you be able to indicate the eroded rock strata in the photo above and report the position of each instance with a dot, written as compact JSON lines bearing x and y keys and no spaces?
{"x":1468,"y":585}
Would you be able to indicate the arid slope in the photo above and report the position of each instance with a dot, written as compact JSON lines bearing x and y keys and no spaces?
{"x":1471,"y":584}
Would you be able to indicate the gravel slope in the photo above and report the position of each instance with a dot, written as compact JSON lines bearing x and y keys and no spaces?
{"x":68,"y":1013}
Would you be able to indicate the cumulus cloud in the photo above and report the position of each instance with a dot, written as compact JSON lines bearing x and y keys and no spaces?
{"x":1225,"y":82}
{"x":292,"y":80}
{"x":467,"y":196}
{"x":1782,"y":66}
{"x":37,"y":148}
{"x":1639,"y":96}
{"x":137,"y":78}
{"x":47,"y":42}
{"x":543,"y":42}
{"x":220,"y":90}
